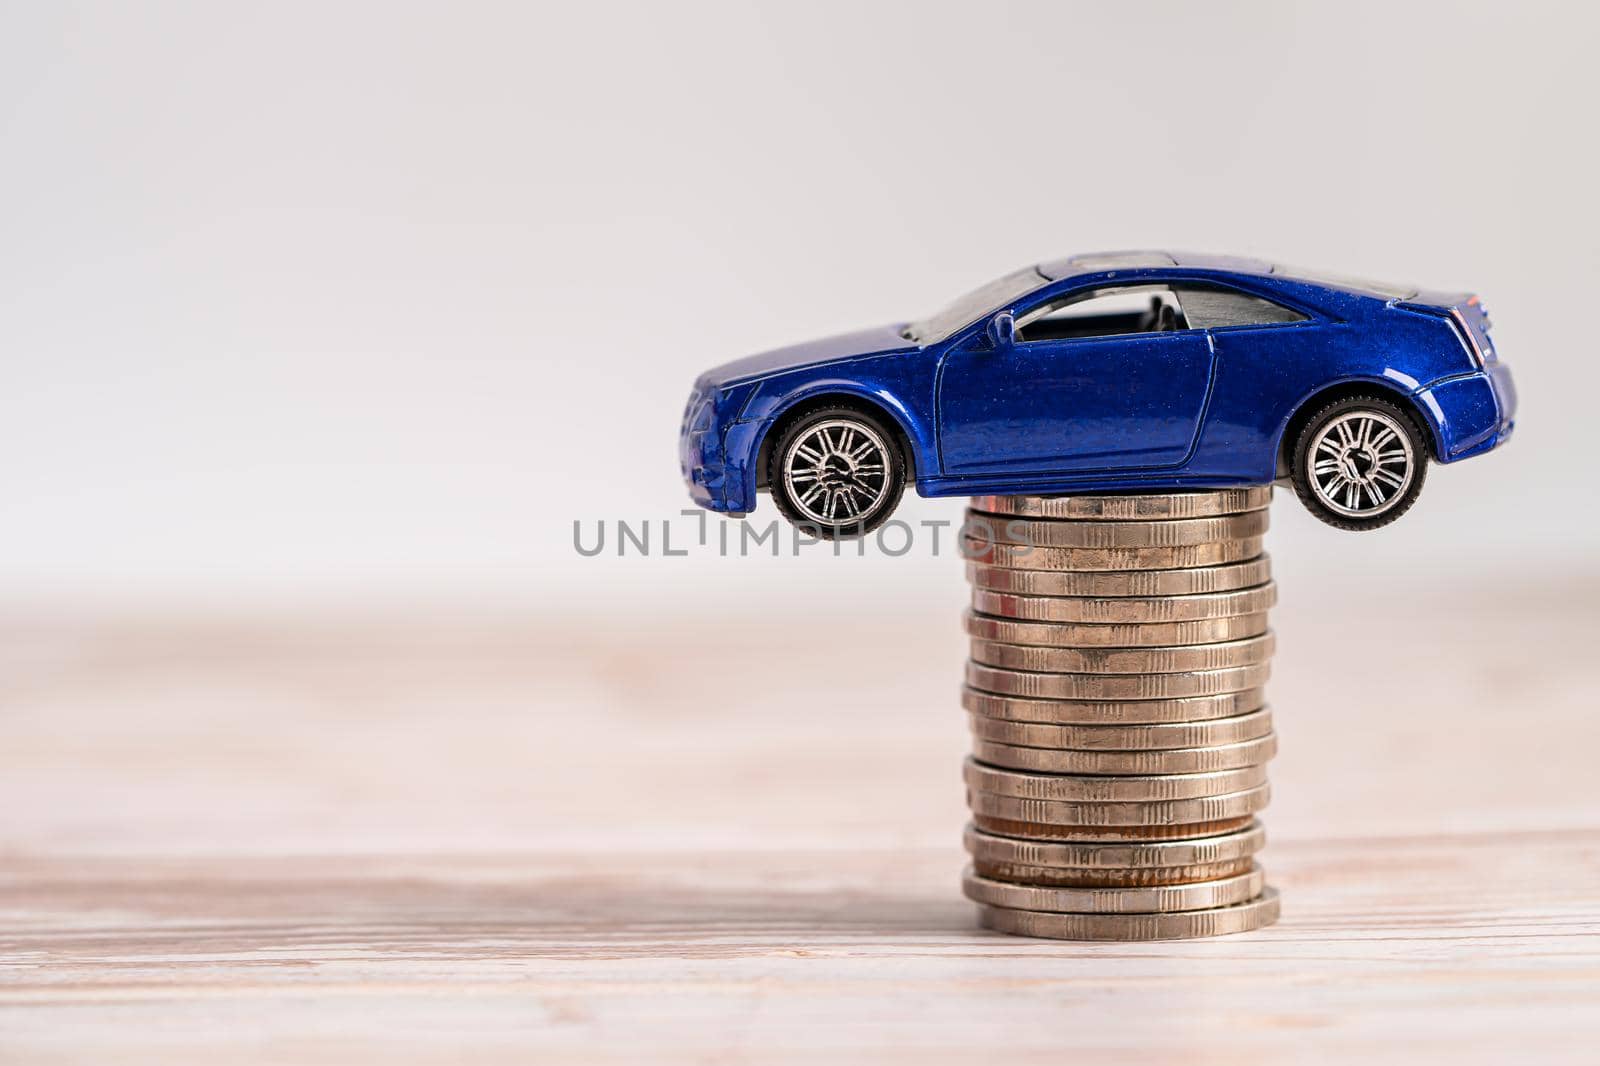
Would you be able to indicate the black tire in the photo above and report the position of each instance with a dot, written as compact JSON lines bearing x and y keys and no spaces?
{"x":1371,"y":461}
{"x":814,"y":487}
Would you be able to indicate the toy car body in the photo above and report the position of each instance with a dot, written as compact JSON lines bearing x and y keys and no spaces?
{"x":1126,"y":371}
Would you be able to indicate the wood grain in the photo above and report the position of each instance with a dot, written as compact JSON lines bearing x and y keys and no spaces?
{"x":440,"y":838}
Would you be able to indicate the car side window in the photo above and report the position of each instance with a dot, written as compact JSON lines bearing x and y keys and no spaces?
{"x":1211,"y":307}
{"x":1107,"y":312}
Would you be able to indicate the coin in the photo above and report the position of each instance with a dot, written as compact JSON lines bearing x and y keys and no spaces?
{"x":1079,"y":635}
{"x":1109,"y":713}
{"x":1107,"y":788}
{"x":1224,"y":847}
{"x":1123,"y":738}
{"x":1189,"y":581}
{"x":1176,"y":925}
{"x":1171,"y":761}
{"x":1169,"y":534}
{"x":1028,"y":557}
{"x":1250,"y":651}
{"x":1077,"y":877}
{"x":1007,"y":682}
{"x":1108,"y":834}
{"x":1121,"y":814}
{"x":1155,"y":505}
{"x":1145,"y":899}
{"x":1143,"y":610}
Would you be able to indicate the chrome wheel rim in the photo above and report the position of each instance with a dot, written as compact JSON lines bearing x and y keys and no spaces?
{"x":1362,"y":464}
{"x":837,"y":472}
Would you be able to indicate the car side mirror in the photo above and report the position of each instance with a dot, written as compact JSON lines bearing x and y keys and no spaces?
{"x":1003,"y":330}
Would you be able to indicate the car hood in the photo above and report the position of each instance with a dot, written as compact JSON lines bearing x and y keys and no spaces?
{"x":876,"y":341}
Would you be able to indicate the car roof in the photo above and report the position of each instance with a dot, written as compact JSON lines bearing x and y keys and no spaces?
{"x":1095,"y":262}
{"x":1101,"y":262}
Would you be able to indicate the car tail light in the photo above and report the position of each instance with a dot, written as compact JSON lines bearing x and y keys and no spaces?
{"x":1459,"y":321}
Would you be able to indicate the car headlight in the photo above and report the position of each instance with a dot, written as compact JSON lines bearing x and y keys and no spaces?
{"x":702,"y":418}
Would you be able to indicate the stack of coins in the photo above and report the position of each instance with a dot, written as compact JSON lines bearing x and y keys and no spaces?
{"x":1120,"y":729}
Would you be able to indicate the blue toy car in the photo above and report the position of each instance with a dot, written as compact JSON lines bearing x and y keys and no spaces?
{"x":1123,"y":371}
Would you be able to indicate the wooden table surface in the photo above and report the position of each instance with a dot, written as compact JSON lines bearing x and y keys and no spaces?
{"x":435,"y":837}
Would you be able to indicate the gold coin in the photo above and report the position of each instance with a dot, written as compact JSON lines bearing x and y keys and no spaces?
{"x":1176,"y":925}
{"x":1123,"y":738}
{"x":1092,"y":813}
{"x":1250,"y":651}
{"x":1108,"y":834}
{"x":1027,"y":557}
{"x":1188,"y":581}
{"x":1143,"y":610}
{"x":1169,"y":761}
{"x":1106,"y":788}
{"x":1083,"y":635}
{"x":1132,"y":507}
{"x":1111,"y":714}
{"x":1223,"y":847}
{"x":1143,"y":899}
{"x":1169,"y":534}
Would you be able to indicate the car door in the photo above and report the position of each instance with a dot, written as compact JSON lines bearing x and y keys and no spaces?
{"x":1102,"y":379}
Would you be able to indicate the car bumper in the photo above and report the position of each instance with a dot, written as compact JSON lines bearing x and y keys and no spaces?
{"x":718,"y":462}
{"x":1472,"y":413}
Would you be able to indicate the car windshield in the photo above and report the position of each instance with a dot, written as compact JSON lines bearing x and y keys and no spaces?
{"x":974,"y":305}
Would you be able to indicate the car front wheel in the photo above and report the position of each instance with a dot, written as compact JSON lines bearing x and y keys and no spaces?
{"x":837,"y":471}
{"x":1360,"y":462}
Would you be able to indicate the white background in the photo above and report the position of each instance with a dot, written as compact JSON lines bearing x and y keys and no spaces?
{"x":344,"y":301}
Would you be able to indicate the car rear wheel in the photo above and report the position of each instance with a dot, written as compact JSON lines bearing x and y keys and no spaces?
{"x":837,"y":471}
{"x":1360,"y":463}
